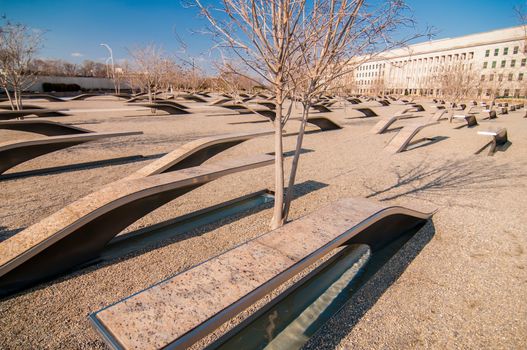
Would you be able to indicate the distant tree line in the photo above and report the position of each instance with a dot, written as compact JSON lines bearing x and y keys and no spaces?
{"x":62,"y":68}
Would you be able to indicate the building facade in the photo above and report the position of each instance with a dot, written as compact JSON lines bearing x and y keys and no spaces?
{"x":484,"y":65}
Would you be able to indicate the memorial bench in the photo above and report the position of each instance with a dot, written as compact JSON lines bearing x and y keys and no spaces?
{"x":498,"y":138}
{"x":181,"y":310}
{"x":383,"y":124}
{"x":16,"y":152}
{"x":80,"y":231}
{"x":195,"y":153}
{"x":43,"y":127}
{"x":468,"y":119}
{"x":163,"y":106}
{"x":39,"y":112}
{"x":403,"y":138}
{"x":367,"y":112}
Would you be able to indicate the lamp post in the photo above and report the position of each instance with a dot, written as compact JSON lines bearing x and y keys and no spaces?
{"x":113,"y":67}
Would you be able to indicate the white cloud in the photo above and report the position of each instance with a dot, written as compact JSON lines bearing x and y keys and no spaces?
{"x":76,"y":54}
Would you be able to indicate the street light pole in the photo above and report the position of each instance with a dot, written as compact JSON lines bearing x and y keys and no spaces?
{"x":113,"y":66}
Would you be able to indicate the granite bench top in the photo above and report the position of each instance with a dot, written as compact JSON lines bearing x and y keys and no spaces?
{"x":184,"y":308}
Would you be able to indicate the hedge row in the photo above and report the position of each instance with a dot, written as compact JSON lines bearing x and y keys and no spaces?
{"x":49,"y":87}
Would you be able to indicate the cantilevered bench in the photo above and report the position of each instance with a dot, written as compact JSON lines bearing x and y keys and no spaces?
{"x":140,"y":97}
{"x":439,"y":115}
{"x":164,"y":102}
{"x":367,"y":112}
{"x":322,"y":122}
{"x":468,"y":119}
{"x":192,"y":97}
{"x":321,"y":108}
{"x":179,"y":311}
{"x":40,"y":112}
{"x":354,"y":101}
{"x":195,"y":153}
{"x":19,"y":151}
{"x":402,"y":140}
{"x":162,"y":106}
{"x":489,"y":114}
{"x":237,"y":107}
{"x":80,"y":231}
{"x":47,"y":97}
{"x":267,"y":104}
{"x":43,"y":127}
{"x":84,"y":96}
{"x":221,"y":101}
{"x":503,"y":110}
{"x":498,"y":138}
{"x":418,"y":108}
{"x":385,"y":123}
{"x":26,"y":106}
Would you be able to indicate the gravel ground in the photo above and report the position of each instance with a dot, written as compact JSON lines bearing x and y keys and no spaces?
{"x":459,"y":283}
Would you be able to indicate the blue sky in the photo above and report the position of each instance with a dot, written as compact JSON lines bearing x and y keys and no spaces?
{"x":76,"y":28}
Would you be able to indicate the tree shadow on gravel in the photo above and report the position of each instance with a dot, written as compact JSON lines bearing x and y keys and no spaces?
{"x":5,"y":233}
{"x":448,"y":177}
{"x":380,"y":273}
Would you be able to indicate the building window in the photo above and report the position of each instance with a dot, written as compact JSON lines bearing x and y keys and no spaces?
{"x":483,"y":78}
{"x":491,"y":77}
{"x":524,"y":61}
{"x":503,"y":63}
{"x":506,"y":51}
{"x":493,"y":64}
{"x":500,"y":77}
{"x":487,"y":93}
{"x":496,"y":52}
{"x":487,"y":53}
{"x":506,"y":92}
{"x":516,"y":48}
{"x":520,"y":77}
{"x":470,"y":55}
{"x":513,"y":63}
{"x":510,"y":76}
{"x":485,"y":64}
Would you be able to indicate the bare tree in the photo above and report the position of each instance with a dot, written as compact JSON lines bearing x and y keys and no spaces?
{"x":148,"y":64}
{"x":70,"y":69}
{"x":18,"y":47}
{"x":458,"y":81}
{"x":335,"y":37}
{"x":299,"y":48}
{"x":261,"y":34}
{"x":521,"y":14}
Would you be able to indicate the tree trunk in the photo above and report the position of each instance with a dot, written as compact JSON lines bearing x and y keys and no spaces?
{"x":17,"y":99}
{"x":296,"y":159}
{"x":10,"y":99}
{"x":277,"y":219}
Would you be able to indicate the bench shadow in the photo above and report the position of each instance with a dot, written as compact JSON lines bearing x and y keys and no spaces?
{"x":504,"y":147}
{"x":300,"y":189}
{"x":250,"y":122}
{"x":78,"y":166}
{"x":6,"y":233}
{"x":292,"y":153}
{"x":425,"y":142}
{"x":395,"y":129}
{"x":378,"y":276}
